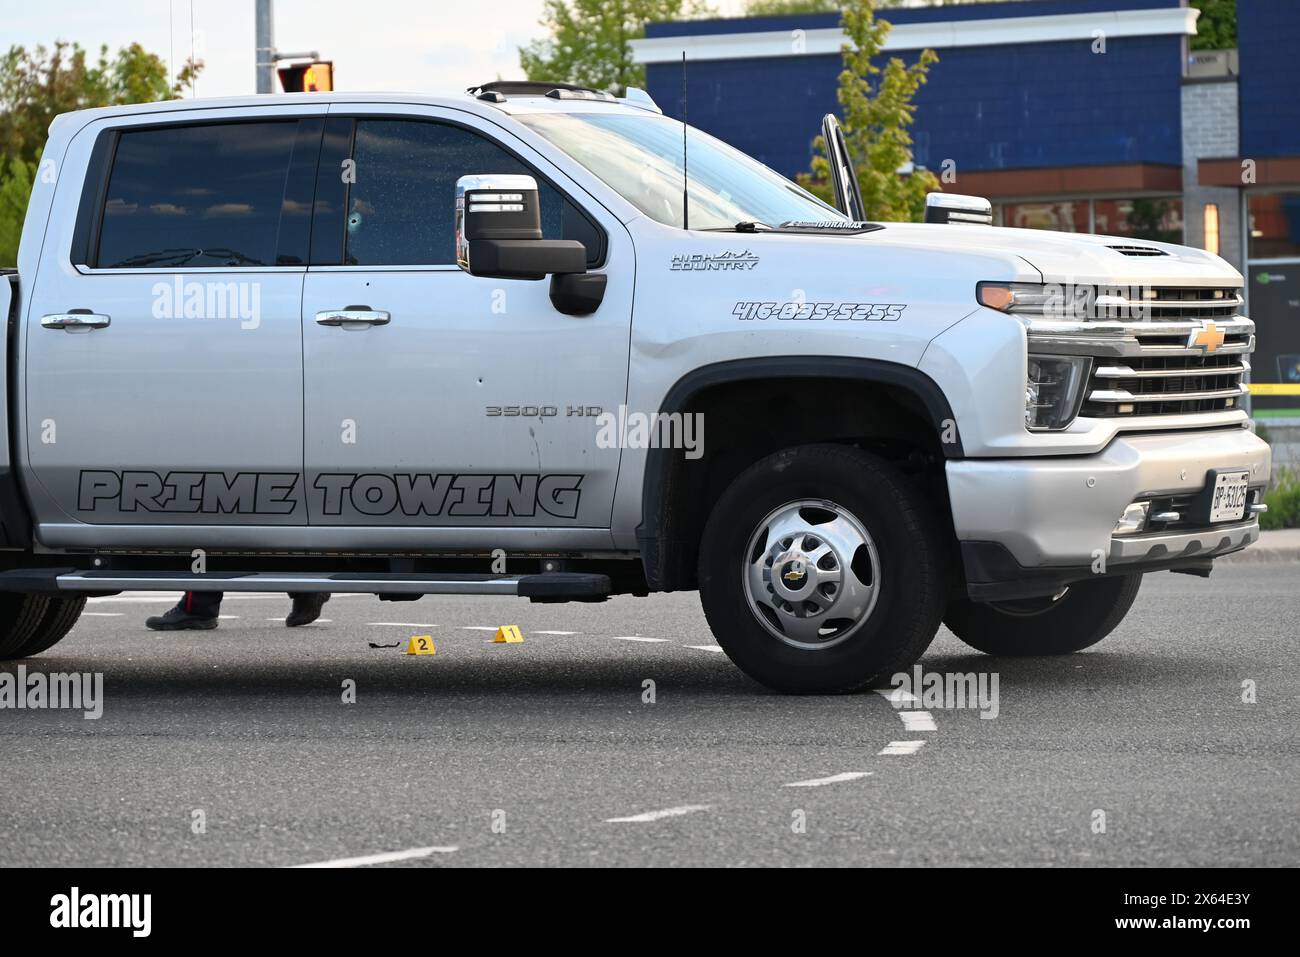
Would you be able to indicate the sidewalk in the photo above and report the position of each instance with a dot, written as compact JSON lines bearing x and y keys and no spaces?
{"x":1282,"y":545}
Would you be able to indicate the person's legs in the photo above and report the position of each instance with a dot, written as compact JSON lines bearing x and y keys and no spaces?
{"x":306,"y":607}
{"x":196,"y":610}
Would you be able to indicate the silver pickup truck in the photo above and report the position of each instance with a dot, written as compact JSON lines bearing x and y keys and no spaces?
{"x":533,"y":340}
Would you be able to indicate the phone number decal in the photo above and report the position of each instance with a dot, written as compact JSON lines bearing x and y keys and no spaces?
{"x":861,"y":311}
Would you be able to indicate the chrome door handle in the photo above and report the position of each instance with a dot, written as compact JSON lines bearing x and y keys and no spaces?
{"x":353,"y":315}
{"x":76,"y":319}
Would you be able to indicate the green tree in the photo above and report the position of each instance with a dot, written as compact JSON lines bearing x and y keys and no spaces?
{"x":37,"y":85}
{"x":876,"y":112}
{"x":771,"y":8}
{"x":776,"y":8}
{"x":15,"y":189}
{"x":1216,"y":28}
{"x":589,"y":41}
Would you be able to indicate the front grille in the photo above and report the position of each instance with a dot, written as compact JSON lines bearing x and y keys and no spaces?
{"x":1162,"y":355}
{"x":1163,"y":303}
{"x":1165,"y":385}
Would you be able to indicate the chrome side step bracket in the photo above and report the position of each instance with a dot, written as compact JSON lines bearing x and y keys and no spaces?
{"x":550,"y":585}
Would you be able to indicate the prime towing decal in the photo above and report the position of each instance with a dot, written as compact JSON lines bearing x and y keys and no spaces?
{"x":369,"y":493}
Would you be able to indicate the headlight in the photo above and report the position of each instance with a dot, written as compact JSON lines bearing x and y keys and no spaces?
{"x":1053,"y":389}
{"x":1018,"y":298}
{"x":1066,"y":300}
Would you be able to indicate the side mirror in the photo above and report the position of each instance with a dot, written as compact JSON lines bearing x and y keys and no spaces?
{"x":956,"y":208}
{"x":499,"y":231}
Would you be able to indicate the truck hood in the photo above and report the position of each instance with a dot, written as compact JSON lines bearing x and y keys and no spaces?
{"x":1072,"y":257}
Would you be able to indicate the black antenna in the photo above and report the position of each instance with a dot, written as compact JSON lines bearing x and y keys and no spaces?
{"x":686,"y":219}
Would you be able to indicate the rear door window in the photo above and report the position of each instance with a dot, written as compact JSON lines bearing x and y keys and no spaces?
{"x":202,"y":195}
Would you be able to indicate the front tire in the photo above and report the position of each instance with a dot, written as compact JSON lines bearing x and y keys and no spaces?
{"x":60,"y":615}
{"x":822,"y":569}
{"x":1077,"y":618}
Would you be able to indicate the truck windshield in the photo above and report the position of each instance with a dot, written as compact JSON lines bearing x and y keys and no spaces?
{"x":641,"y":158}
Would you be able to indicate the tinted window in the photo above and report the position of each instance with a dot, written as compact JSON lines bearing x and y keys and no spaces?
{"x":197,"y":195}
{"x":401,"y":208}
{"x":640,"y":156}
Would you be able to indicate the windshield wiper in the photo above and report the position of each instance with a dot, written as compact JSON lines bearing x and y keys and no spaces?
{"x":745,"y":226}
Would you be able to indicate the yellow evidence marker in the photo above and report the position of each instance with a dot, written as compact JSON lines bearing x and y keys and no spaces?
{"x":421,"y":645}
{"x":508,"y":635}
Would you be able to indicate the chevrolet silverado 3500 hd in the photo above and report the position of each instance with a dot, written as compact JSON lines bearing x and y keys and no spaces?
{"x":380,"y":343}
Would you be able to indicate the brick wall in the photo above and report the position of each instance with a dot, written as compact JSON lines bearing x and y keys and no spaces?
{"x":1210,"y":131}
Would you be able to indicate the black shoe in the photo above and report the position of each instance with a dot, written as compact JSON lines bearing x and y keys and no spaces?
{"x":178,"y":619}
{"x":306,"y":609}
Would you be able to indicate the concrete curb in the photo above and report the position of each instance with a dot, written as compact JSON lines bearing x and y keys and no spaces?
{"x":1276,"y":547}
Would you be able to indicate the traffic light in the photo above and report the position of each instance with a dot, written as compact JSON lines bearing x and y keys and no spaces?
{"x":314,"y":77}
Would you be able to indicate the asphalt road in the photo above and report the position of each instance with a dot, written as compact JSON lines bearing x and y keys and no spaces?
{"x":530,"y":753}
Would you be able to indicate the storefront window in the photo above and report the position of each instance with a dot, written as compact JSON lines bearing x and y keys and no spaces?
{"x":1159,"y":219}
{"x":1274,"y":225}
{"x":1067,"y":216}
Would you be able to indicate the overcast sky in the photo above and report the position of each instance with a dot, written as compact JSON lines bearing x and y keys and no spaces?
{"x":375,"y":44}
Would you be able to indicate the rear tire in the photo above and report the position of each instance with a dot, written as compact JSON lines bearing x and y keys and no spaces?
{"x":59,"y":618}
{"x":20,"y":618}
{"x":822,"y":569}
{"x":1084,"y":614}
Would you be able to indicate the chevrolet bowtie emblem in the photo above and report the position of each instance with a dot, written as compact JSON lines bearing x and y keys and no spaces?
{"x":794,"y":571}
{"x":1209,"y":337}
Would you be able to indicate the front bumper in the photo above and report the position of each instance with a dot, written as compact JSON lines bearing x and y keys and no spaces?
{"x":1023,"y":520}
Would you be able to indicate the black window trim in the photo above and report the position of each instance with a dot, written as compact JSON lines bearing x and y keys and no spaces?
{"x":84,"y":250}
{"x":597,"y":262}
{"x":94,"y":190}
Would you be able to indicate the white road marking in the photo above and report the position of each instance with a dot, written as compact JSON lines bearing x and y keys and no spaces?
{"x":102,"y":614}
{"x":833,"y":779}
{"x":918,"y":720}
{"x":400,"y":624}
{"x":478,"y":627}
{"x":898,"y":695}
{"x":634,"y":638}
{"x":649,"y":816}
{"x":388,"y":858}
{"x":557,"y":632}
{"x":228,"y":617}
{"x":705,"y":647}
{"x":902,"y":747}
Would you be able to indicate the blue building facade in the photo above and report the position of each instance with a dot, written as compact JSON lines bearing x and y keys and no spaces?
{"x":990,"y":104}
{"x":1268,"y":34}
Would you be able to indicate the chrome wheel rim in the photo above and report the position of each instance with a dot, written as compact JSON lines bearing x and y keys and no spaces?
{"x":811,"y":574}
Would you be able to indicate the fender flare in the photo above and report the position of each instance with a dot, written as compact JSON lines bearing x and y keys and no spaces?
{"x":655,"y":535}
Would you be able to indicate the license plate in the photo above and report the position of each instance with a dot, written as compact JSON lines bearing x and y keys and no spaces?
{"x":1228,"y":498}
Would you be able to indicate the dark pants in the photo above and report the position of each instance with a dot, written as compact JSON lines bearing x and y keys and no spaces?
{"x":207,"y":604}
